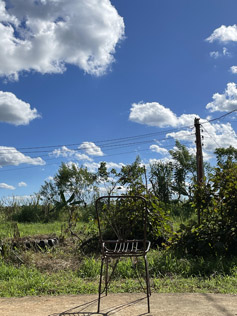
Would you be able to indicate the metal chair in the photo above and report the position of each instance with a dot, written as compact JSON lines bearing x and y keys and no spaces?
{"x":122,"y":223}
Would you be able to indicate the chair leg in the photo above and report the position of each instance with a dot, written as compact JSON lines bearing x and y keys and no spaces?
{"x":148,"y":288}
{"x":106,"y":275}
{"x":101,"y":273}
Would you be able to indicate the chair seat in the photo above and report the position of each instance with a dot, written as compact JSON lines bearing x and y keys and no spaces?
{"x":125,"y":248}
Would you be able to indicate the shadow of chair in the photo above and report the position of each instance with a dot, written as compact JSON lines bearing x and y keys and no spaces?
{"x":122,"y":223}
{"x":82,"y":309}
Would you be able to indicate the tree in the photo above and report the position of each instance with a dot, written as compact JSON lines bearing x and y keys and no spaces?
{"x":226,"y":156}
{"x":109,"y":179}
{"x":132,"y":176}
{"x":217,"y":201}
{"x":184,"y":169}
{"x":161,"y":176}
{"x":70,"y":179}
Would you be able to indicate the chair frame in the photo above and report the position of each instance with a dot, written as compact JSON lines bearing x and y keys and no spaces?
{"x":123,"y":248}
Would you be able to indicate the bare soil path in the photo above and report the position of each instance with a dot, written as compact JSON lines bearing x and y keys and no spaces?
{"x":122,"y":305}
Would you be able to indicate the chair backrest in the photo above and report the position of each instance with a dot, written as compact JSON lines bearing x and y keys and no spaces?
{"x":122,"y":217}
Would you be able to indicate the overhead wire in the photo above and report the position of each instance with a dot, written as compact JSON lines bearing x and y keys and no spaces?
{"x":220,"y":117}
{"x":108,"y":145}
{"x":95,"y":158}
{"x":210,"y":136}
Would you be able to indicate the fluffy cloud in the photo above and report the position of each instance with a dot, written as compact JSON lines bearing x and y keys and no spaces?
{"x":14,"y":110}
{"x":10,"y":156}
{"x":225,"y":102}
{"x":6,"y":186}
{"x":214,"y":136}
{"x":183,"y":135}
{"x":224,"y":34}
{"x":45,"y":35}
{"x":218,"y":135}
{"x":69,"y":153}
{"x":155,"y":114}
{"x":93,"y":167}
{"x":233,"y":69}
{"x":158,"y":149}
{"x":22,"y":184}
{"x":163,"y":160}
{"x":91,"y":149}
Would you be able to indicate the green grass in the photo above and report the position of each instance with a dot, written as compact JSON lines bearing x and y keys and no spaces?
{"x":22,"y":281}
{"x":30,"y":229}
{"x":64,"y":270}
{"x":168,"y":275}
{"x":33,"y":229}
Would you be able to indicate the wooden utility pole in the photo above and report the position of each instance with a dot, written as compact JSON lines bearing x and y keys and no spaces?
{"x":199,"y":158}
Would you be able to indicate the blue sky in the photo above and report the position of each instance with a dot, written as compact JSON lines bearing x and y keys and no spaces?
{"x":86,"y":81}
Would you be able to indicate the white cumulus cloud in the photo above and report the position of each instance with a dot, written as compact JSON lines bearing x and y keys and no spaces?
{"x":218,"y":135}
{"x":155,"y":114}
{"x":93,"y":166}
{"x":233,"y":69}
{"x":158,"y":149}
{"x":162,"y":160}
{"x":46,"y":35}
{"x":10,"y":156}
{"x":225,"y":102}
{"x":214,"y":136}
{"x":15,"y":111}
{"x":224,"y":34}
{"x":69,"y":153}
{"x":91,"y":149}
{"x":7,"y":186}
{"x":22,"y":184}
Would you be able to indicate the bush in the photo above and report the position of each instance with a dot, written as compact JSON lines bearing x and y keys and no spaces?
{"x":217,"y":203}
{"x":29,"y":214}
{"x":208,"y":239}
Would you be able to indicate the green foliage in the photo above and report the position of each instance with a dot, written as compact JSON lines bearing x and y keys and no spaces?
{"x":169,"y":273}
{"x":29,"y":214}
{"x":184,"y":167}
{"x":131,"y":176}
{"x":205,"y":240}
{"x":90,"y":268}
{"x":159,"y":223}
{"x":226,"y":156}
{"x":217,"y":202}
{"x":71,"y":180}
{"x":181,"y":211}
{"x":161,"y":176}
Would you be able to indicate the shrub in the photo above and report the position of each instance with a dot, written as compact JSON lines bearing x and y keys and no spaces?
{"x":29,"y":214}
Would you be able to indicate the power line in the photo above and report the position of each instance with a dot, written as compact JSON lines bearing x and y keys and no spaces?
{"x":210,"y":136}
{"x":220,"y":117}
{"x":108,"y":146}
{"x":95,"y":158}
{"x":108,"y":141}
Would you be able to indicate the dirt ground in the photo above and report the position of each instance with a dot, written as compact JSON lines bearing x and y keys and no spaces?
{"x":122,"y":304}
